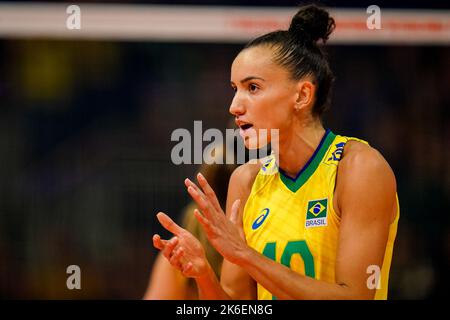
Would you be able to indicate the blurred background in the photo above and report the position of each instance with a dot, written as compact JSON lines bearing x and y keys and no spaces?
{"x":85,"y":127}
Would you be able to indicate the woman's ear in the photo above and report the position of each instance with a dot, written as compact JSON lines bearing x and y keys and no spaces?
{"x":305,"y":95}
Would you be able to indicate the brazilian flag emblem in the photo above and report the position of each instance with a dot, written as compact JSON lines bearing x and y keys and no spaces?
{"x":317,"y":209}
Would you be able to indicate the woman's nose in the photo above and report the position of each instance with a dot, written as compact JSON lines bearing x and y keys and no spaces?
{"x":237,"y":107}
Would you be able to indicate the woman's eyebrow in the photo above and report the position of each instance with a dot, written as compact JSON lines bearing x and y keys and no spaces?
{"x":248,"y":79}
{"x":251,"y":78}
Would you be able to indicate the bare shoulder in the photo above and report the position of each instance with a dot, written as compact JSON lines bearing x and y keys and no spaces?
{"x":364,"y":172}
{"x":360,"y":157}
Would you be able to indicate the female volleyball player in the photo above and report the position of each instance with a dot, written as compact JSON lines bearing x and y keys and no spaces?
{"x":318,"y":219}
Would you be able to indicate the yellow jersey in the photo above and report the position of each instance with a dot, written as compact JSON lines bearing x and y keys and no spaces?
{"x":293,"y":222}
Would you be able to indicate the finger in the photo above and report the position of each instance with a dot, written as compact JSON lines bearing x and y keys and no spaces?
{"x":175,"y":260}
{"x":158,"y":243}
{"x":188,"y":183}
{"x":179,"y":260}
{"x":197,"y":190}
{"x":168,"y":250}
{"x":197,"y":194}
{"x":168,"y":223}
{"x":209,"y":192}
{"x":201,"y":202}
{"x":204,"y":222}
{"x":234,"y":216}
{"x":187,"y":268}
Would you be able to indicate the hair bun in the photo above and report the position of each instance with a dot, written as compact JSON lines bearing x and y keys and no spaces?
{"x":310,"y":24}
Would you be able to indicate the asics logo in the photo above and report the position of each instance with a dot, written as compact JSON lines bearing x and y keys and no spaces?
{"x":261,"y":218}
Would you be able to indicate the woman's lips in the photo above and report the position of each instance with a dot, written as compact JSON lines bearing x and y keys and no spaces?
{"x":244,"y":130}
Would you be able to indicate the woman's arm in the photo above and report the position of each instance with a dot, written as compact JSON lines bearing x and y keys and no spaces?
{"x":166,"y":282}
{"x":234,"y":279}
{"x":185,"y":252}
{"x":235,"y":282}
{"x":365,"y":193}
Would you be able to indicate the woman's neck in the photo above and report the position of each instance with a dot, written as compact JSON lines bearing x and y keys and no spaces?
{"x":297,"y":145}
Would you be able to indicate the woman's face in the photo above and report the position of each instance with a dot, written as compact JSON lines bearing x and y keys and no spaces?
{"x":265,"y":96}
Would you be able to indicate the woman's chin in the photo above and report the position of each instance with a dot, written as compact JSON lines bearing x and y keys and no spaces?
{"x":254,"y":144}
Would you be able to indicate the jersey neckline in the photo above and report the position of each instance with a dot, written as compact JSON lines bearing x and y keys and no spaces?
{"x":310,"y":167}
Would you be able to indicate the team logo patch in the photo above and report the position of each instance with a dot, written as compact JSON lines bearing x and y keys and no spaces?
{"x":316,"y":214}
{"x":336,"y":155}
{"x":261,"y":218}
{"x":266,"y":165}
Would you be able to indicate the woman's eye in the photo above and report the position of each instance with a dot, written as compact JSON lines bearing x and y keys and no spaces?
{"x":253,"y":87}
{"x":234,"y":89}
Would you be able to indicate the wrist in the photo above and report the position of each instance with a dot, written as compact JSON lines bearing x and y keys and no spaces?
{"x":209,"y":286}
{"x":243,"y":255}
{"x":206,"y":273}
{"x":207,"y":279}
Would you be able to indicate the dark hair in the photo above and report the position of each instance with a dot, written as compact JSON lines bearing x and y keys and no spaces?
{"x":297,"y":50}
